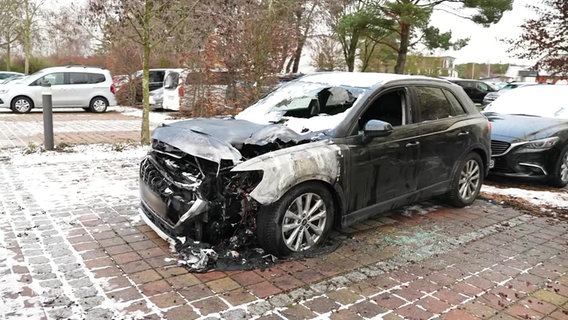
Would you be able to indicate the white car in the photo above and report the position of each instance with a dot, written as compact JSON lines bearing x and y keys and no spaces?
{"x":89,"y":88}
{"x":173,"y":88}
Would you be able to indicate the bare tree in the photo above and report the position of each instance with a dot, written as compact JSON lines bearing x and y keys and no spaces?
{"x":67,"y":37}
{"x":151,"y":22}
{"x":545,"y":37}
{"x":327,"y":54}
{"x":30,"y":12}
{"x":9,"y":31}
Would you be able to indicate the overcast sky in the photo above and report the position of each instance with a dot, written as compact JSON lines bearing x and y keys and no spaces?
{"x":485,"y":45}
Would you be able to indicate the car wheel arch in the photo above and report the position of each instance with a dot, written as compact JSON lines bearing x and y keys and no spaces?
{"x":485,"y":157}
{"x":93,"y":99}
{"x":22,"y":96}
{"x":269,"y":216}
{"x":334,"y":189}
{"x":288,"y":167}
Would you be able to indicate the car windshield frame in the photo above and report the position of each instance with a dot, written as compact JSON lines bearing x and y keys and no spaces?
{"x":279,"y":105}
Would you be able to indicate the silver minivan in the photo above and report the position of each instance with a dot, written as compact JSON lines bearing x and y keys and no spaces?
{"x":89,"y":88}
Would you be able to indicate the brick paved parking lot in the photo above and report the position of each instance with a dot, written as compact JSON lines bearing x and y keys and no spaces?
{"x":72,"y":246}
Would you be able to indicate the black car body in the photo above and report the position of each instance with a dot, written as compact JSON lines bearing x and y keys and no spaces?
{"x":530,"y":134}
{"x":328,"y":149}
{"x":475,"y":89}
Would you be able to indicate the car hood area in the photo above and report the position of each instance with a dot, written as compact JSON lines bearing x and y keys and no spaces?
{"x":226,"y":138}
{"x":516,"y":128}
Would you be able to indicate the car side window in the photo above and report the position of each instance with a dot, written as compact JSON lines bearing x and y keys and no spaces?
{"x":56,"y":78}
{"x":388,"y":107}
{"x":171,"y":81}
{"x":96,"y":77}
{"x":482,"y":86}
{"x":78,"y":78}
{"x":157,"y":76}
{"x":433,"y":104}
{"x":457,"y":107}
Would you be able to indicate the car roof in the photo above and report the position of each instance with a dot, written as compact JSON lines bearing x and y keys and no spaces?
{"x":11,"y":72}
{"x":73,"y":68}
{"x":359,"y":79}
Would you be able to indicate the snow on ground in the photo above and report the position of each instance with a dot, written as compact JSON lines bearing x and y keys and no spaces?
{"x":554,"y":199}
{"x":155,"y":117}
{"x":100,"y":183}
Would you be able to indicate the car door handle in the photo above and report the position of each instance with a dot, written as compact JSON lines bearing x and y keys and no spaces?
{"x":412,"y":144}
{"x":463,"y":133}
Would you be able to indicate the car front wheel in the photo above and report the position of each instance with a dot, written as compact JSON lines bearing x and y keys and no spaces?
{"x":466,"y":183}
{"x":98,"y":105}
{"x":22,"y":105}
{"x":299,"y":221}
{"x":559,"y":176}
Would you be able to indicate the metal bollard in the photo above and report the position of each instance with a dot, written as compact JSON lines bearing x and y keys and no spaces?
{"x":47,"y":116}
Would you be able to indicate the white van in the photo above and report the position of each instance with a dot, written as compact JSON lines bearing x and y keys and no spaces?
{"x":173,"y":88}
{"x":89,"y":88}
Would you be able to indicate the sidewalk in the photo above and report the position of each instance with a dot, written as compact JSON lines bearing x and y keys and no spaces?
{"x":72,"y":126}
{"x":72,"y":246}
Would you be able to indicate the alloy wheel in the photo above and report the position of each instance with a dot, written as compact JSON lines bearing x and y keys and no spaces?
{"x":470,"y":178}
{"x":304,"y":222}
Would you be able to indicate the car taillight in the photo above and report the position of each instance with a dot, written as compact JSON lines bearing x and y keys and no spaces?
{"x":180,"y":92}
{"x":112,"y":88}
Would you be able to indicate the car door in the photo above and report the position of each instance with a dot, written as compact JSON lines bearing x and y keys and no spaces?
{"x":383,"y":169}
{"x":443,"y":140}
{"x":78,"y":90}
{"x":57,"y":81}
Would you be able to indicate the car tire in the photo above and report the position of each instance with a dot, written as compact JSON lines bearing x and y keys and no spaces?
{"x":22,"y":105}
{"x":466,"y":182}
{"x":559,"y":177}
{"x":299,"y":221}
{"x":98,"y":105}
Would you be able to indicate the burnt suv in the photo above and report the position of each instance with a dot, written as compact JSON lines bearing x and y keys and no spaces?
{"x":326,"y":150}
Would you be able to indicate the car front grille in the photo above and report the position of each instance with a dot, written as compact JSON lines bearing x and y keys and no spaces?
{"x":151,"y":176}
{"x":499,"y":147}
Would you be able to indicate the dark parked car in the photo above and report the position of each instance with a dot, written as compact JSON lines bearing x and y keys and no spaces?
{"x":530,"y":133}
{"x":325,"y":150}
{"x":475,"y":89}
{"x":491,"y":96}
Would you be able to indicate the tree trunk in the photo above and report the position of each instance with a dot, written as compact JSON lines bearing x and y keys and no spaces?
{"x":27,"y":44}
{"x":403,"y":49}
{"x":145,"y":132}
{"x":8,"y":54}
{"x":298,"y":54}
{"x":352,"y":51}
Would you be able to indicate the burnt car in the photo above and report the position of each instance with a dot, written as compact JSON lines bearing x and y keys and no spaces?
{"x":530,"y":134}
{"x":326,"y":150}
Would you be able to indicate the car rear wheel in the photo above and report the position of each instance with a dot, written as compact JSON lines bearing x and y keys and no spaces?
{"x":22,"y":105}
{"x":98,"y":105}
{"x":467,"y":180}
{"x":299,"y":221}
{"x":559,"y":176}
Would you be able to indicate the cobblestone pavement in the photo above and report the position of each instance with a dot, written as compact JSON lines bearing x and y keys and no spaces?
{"x":72,"y":246}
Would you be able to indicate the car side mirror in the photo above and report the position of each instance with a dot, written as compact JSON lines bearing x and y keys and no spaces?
{"x":377,"y":128}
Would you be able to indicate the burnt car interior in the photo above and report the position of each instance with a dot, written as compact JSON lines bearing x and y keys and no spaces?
{"x":329,"y":101}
